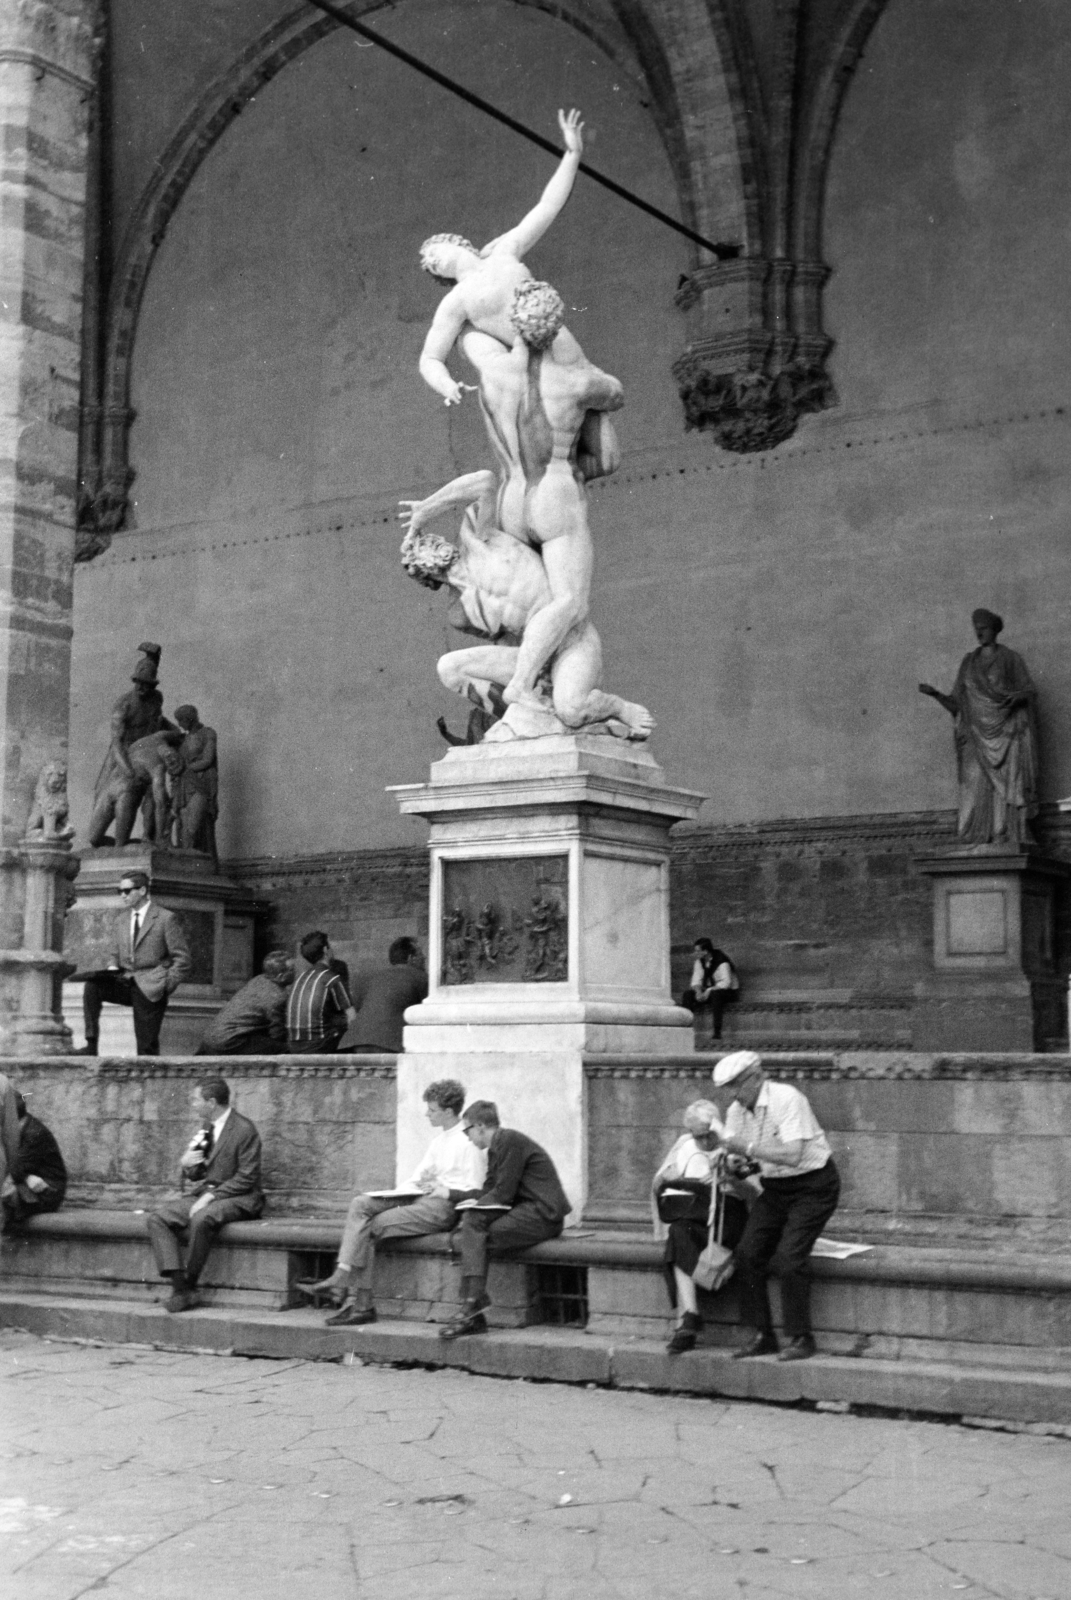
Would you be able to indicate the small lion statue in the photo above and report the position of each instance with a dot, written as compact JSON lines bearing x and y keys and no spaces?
{"x":49,"y":812}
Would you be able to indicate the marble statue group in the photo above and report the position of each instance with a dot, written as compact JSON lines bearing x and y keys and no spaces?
{"x":522,"y":564}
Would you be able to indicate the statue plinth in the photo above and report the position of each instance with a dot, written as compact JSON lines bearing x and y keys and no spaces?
{"x":31,"y":1023}
{"x":216,"y":913}
{"x":994,"y":985}
{"x":549,"y":931}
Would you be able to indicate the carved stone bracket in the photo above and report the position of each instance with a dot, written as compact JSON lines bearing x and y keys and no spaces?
{"x":756,"y":363}
{"x":104,"y":494}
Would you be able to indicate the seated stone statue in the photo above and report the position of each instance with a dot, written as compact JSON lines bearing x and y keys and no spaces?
{"x":993,"y":701}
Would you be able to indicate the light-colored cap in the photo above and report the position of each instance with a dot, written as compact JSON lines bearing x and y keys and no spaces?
{"x":729,"y":1068}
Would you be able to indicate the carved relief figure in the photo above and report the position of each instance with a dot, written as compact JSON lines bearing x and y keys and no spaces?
{"x":547,"y":957}
{"x":457,"y":946}
{"x":993,"y":701}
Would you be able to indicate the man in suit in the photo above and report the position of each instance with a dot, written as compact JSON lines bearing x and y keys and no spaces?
{"x":150,"y":958}
{"x":220,"y":1183}
{"x":521,"y":1203}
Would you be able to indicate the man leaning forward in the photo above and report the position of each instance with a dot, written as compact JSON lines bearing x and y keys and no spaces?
{"x":521,"y":1203}
{"x":452,"y":1168}
{"x":773,"y":1124}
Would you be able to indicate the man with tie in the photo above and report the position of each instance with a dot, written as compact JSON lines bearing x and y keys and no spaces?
{"x":150,"y":958}
{"x":220,"y":1183}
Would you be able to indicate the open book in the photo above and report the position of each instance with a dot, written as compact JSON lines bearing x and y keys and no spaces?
{"x":405,"y":1191}
{"x":480,"y":1205}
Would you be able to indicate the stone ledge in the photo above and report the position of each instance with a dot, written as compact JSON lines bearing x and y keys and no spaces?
{"x":894,"y":1264}
{"x":146,"y":1067}
{"x":556,"y":1355}
{"x":817,"y":1066}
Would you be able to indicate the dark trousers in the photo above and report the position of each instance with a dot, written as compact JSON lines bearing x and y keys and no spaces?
{"x":787,"y":1218}
{"x":715,"y":1004}
{"x":119,"y":990}
{"x":25,"y":1203}
{"x":172,"y":1218}
{"x":496,"y":1233}
{"x":254,"y":1044}
{"x":317,"y":1047}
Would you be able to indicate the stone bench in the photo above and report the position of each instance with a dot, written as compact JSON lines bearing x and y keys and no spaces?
{"x":895,"y":1301}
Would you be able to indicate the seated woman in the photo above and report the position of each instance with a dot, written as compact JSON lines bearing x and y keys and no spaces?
{"x":691,"y":1169}
{"x":715,"y":982}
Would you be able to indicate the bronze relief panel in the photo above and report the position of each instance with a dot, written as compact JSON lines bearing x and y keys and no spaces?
{"x":506,"y":920}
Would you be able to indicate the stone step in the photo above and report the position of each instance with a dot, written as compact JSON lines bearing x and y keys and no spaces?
{"x":949,"y":1390}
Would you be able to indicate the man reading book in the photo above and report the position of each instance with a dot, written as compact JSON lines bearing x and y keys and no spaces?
{"x":452,"y":1168}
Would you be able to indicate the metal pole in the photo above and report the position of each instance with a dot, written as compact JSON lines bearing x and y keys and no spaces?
{"x":724,"y":252}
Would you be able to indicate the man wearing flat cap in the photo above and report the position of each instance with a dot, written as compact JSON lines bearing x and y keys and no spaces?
{"x":773,"y":1124}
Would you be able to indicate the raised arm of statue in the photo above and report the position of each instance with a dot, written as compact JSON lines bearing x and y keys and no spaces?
{"x":531,"y":228}
{"x":950,"y":703}
{"x":471,"y":486}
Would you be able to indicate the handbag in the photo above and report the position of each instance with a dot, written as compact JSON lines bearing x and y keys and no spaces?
{"x":716,"y":1264}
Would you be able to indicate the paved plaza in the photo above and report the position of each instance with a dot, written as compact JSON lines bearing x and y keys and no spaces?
{"x":145,"y":1475}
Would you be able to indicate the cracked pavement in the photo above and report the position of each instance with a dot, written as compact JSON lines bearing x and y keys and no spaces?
{"x":147,"y":1475}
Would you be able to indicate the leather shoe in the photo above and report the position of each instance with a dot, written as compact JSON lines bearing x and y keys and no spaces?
{"x":468,"y":1322}
{"x":685,"y":1335}
{"x":798,"y":1349}
{"x":327,"y":1291}
{"x":760,"y":1344}
{"x":350,"y":1316}
{"x":182,"y":1300}
{"x":88,"y":1049}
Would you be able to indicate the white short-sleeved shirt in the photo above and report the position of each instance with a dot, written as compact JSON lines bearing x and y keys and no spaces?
{"x":783,"y":1113}
{"x":453,"y":1160}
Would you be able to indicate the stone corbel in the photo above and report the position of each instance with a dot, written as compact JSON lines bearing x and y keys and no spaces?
{"x":104,"y":497}
{"x":755,"y":363}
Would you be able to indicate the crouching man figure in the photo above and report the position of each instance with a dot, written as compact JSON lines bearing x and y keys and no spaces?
{"x":521,"y":1203}
{"x":451,"y":1169}
{"x":220,"y":1183}
{"x":773,"y":1124}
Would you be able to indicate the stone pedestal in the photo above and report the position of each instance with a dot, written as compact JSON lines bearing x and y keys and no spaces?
{"x":549,"y":932}
{"x":31,"y":1022}
{"x":217,"y":916}
{"x":994,"y":985}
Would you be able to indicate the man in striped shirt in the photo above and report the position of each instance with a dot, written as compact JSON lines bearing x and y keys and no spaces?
{"x":318,"y":1008}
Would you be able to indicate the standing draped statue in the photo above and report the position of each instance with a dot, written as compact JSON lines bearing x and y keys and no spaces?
{"x":993,"y":701}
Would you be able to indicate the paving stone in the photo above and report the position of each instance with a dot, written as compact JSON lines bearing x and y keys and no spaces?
{"x":138,"y":1471}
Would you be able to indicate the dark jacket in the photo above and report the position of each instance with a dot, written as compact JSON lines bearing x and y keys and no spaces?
{"x":233,"y":1167}
{"x":519,"y":1170}
{"x":258,"y":1007}
{"x":39,"y":1156}
{"x":381,"y":995}
{"x":160,"y":960}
